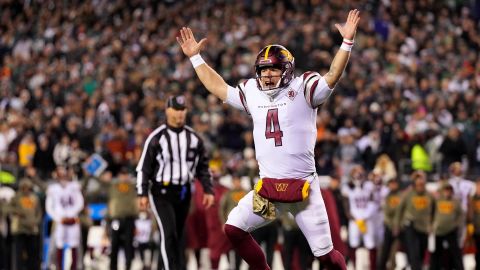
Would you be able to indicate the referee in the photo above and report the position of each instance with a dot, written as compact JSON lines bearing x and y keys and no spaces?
{"x":173,"y":156}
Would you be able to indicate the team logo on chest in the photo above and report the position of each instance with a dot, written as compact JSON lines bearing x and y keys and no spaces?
{"x":291,"y":94}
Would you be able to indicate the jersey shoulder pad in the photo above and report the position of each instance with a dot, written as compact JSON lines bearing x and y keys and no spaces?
{"x":246,"y":85}
{"x":75,"y":185}
{"x":310,"y":76}
{"x":309,"y":84}
{"x":53,"y":188}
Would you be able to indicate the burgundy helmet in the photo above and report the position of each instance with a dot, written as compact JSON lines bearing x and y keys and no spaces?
{"x":275,"y":56}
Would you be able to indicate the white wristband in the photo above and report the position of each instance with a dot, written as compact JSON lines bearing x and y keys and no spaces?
{"x":347,"y":45}
{"x":197,"y":60}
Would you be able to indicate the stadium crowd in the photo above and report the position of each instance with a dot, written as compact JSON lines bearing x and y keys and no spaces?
{"x":85,"y":77}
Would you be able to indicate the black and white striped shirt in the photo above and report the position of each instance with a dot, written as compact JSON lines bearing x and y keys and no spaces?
{"x":172,"y":157}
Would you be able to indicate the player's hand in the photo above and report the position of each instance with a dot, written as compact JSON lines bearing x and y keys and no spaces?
{"x":208,"y":200}
{"x":190,"y":46}
{"x":349,"y":29}
{"x":142,"y":203}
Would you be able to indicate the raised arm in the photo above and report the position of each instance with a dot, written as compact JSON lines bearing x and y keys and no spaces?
{"x":340,"y":60}
{"x":214,"y":83}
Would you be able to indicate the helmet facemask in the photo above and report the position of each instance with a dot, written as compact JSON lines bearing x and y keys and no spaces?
{"x":268,"y":86}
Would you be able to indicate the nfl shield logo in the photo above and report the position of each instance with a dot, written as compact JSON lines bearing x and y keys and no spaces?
{"x":291,"y":94}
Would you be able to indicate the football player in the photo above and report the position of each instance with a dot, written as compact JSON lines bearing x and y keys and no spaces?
{"x":64,"y":203}
{"x":463,"y":190}
{"x":361,"y":212}
{"x":379,"y":193}
{"x":283,"y":108}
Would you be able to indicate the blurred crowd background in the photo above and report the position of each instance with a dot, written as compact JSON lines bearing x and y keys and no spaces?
{"x":92,"y":76}
{"x":84,"y":77}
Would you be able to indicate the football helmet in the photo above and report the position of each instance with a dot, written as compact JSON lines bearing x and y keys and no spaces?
{"x":275,"y":56}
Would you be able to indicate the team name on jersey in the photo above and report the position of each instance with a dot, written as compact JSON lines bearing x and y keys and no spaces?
{"x":272,"y":105}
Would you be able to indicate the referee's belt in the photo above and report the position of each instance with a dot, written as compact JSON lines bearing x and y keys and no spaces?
{"x":162,"y":189}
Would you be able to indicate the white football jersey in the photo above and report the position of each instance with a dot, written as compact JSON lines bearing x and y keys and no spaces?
{"x":284,"y":127}
{"x":64,"y":201}
{"x":463,"y":189}
{"x":379,"y":193}
{"x":360,"y":200}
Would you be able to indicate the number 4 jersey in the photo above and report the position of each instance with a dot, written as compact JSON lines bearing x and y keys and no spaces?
{"x":284,"y":127}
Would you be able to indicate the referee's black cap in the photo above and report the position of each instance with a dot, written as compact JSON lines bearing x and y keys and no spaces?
{"x":176,"y":102}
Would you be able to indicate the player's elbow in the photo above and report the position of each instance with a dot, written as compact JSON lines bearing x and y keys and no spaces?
{"x":332,"y":79}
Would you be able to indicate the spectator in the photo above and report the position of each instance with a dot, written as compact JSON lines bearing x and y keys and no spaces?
{"x":26,"y":151}
{"x":7,"y":135}
{"x":419,"y":156}
{"x":76,"y":156}
{"x":396,"y":69}
{"x":385,"y":168}
{"x":476,"y":161}
{"x":423,"y":71}
{"x":61,"y":152}
{"x":453,"y":148}
{"x":347,"y":154}
{"x":43,"y":158}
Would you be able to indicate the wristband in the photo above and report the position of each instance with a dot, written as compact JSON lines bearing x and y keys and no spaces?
{"x":347,"y":45}
{"x":197,"y":60}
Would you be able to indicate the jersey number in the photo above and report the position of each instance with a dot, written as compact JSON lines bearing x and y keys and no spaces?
{"x":272,"y":123}
{"x":66,"y":201}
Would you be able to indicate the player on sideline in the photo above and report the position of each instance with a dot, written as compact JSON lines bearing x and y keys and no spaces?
{"x":64,"y":203}
{"x":283,"y":109}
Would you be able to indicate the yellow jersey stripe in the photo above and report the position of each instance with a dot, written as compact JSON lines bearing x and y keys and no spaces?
{"x":266,"y":53}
